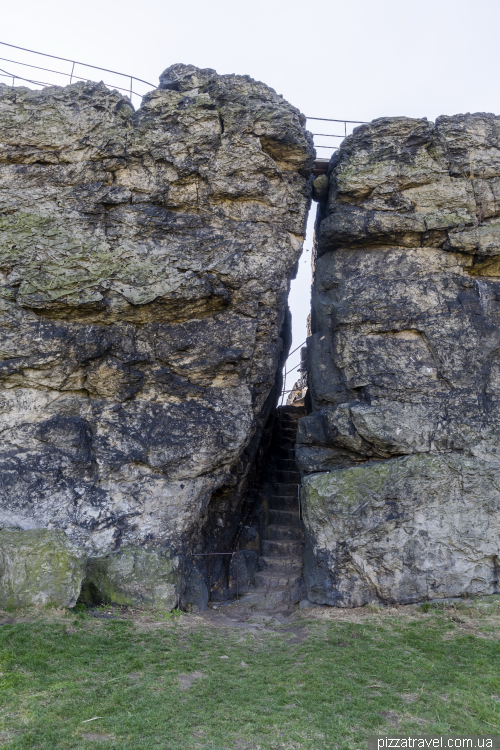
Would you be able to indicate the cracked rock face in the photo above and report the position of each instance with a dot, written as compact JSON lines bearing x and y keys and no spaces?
{"x":404,"y":360}
{"x":145,"y":260}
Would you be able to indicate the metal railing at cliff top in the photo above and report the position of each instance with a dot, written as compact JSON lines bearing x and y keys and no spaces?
{"x":19,"y":61}
{"x":18,"y":70}
{"x":74,"y":69}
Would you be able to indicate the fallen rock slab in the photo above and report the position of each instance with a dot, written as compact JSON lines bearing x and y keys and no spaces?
{"x":407,"y":530}
{"x":38,"y":567}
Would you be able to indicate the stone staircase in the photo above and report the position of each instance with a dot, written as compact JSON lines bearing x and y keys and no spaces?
{"x":279,"y":578}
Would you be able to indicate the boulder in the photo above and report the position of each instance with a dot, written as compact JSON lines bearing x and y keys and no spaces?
{"x":135,"y":577}
{"x":404,"y":365}
{"x":145,"y":263}
{"x":38,"y":567}
{"x":401,"y":531}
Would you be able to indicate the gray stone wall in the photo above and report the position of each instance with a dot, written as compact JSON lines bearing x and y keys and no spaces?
{"x":145,"y":261}
{"x":401,"y":450}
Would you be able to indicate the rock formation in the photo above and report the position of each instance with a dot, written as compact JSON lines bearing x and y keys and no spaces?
{"x":145,"y":261}
{"x":404,"y":366}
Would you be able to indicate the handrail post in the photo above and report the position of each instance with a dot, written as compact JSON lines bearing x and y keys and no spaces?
{"x":71,"y":76}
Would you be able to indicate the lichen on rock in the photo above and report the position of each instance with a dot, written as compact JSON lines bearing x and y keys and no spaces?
{"x":403,"y":365}
{"x":39,"y":567}
{"x":145,"y":262}
{"x":401,"y":531}
{"x":131,"y":576}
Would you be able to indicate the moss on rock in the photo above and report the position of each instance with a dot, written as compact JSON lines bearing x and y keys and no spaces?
{"x":39,"y":566}
{"x":405,"y":530}
{"x":133,"y":576}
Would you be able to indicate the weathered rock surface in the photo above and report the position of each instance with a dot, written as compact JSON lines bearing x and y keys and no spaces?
{"x":404,"y":359}
{"x":40,"y":566}
{"x":134,"y":575}
{"x":145,"y":259}
{"x":418,"y":527}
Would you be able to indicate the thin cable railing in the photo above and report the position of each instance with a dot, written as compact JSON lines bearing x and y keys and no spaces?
{"x":133,"y":82}
{"x":287,"y":371}
{"x":70,"y":74}
{"x":334,"y":135}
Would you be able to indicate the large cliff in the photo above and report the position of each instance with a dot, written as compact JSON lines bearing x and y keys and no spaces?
{"x":145,"y":261}
{"x":401,"y":451}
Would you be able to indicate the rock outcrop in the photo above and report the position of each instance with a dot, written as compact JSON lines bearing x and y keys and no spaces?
{"x":404,"y":366}
{"x":145,"y":261}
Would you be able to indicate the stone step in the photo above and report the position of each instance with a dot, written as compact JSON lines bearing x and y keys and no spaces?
{"x":285,"y":517}
{"x":292,"y":409}
{"x":285,"y":453}
{"x":288,"y":433}
{"x":287,"y":477}
{"x":272,"y":547}
{"x":281,"y":564}
{"x":276,"y":599}
{"x":285,"y":431}
{"x":285,"y":490}
{"x":283,"y":502}
{"x":286,"y":464}
{"x":273,"y":579}
{"x":285,"y":533}
{"x":279,"y":577}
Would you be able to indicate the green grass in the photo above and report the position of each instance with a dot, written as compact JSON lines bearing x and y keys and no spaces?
{"x":327,"y":683}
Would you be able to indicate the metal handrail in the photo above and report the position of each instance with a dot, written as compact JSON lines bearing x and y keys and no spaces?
{"x":297,"y":349}
{"x":6,"y":74}
{"x":48,"y":85}
{"x":329,"y":119}
{"x":235,"y":552}
{"x":75,"y":62}
{"x":129,"y":90}
{"x":285,"y":372}
{"x":330,"y":135}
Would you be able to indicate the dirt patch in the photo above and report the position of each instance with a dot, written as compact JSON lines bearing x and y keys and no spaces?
{"x":410,"y":697}
{"x":473,"y":617}
{"x":186,"y":680}
{"x":299,"y":634}
{"x":391,"y":718}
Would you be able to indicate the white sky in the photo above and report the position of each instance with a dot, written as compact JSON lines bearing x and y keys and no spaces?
{"x":354,"y":60}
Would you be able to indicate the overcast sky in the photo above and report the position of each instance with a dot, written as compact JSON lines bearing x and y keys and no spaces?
{"x":347,"y":60}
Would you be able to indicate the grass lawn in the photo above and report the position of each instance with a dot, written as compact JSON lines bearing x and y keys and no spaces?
{"x":325,"y":679}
